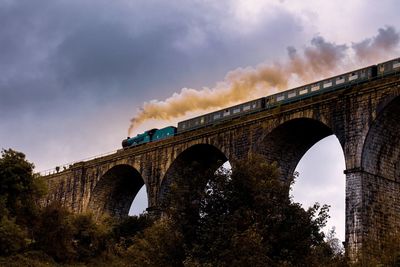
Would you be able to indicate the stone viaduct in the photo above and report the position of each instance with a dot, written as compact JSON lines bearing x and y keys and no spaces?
{"x":365,"y":119}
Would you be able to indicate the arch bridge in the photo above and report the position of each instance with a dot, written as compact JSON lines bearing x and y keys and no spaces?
{"x":365,"y":119}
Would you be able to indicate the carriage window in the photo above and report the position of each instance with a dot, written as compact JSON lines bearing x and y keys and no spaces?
{"x":217,"y":116}
{"x":183,"y":126}
{"x":227,"y":113}
{"x":353,"y":76}
{"x":254,"y":105}
{"x":396,"y":65}
{"x":303,"y":91}
{"x":292,"y":94}
{"x":246,"y":107}
{"x":340,"y":80}
{"x":314,"y":87}
{"x":280,"y":98}
{"x":236,"y":110}
{"x":327,"y":84}
{"x":202,"y":120}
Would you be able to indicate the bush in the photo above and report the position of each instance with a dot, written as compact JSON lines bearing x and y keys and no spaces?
{"x":68,"y":237}
{"x":127,"y":228}
{"x":54,"y":233}
{"x":12,"y":237}
{"x":160,"y":245}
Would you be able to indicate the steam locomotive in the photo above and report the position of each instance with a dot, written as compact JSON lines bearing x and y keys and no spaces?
{"x":331,"y":84}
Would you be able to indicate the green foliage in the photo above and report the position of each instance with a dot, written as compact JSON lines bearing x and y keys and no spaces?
{"x":127,"y":228}
{"x":54,"y":233}
{"x":28,"y":258}
{"x":68,"y":237}
{"x":12,"y":237}
{"x":20,"y":192}
{"x":159,"y":245}
{"x":89,"y":238}
{"x":16,"y":179}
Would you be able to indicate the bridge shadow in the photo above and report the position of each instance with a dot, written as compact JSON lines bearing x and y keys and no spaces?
{"x":115,"y":191}
{"x":381,"y":153}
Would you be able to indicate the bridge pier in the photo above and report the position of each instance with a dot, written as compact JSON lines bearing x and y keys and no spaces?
{"x":372,"y":215}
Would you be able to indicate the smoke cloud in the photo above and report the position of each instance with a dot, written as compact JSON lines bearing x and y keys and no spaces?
{"x":379,"y":47}
{"x":319,"y":59}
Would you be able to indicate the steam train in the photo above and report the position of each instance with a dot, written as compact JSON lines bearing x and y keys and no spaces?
{"x":327,"y":85}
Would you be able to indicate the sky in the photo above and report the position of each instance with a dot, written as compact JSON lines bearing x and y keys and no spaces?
{"x":75,"y":76}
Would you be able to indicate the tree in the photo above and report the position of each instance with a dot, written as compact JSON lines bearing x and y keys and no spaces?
{"x":20,"y":191}
{"x":232,"y":218}
{"x":90,"y":238}
{"x":54,"y":233}
{"x":20,"y":188}
{"x":160,"y":245}
{"x":127,"y":228}
{"x":12,"y":236}
{"x":70,"y":237}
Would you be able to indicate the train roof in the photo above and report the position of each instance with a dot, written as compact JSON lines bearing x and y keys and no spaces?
{"x":222,"y":109}
{"x":398,"y":59}
{"x":329,"y":78}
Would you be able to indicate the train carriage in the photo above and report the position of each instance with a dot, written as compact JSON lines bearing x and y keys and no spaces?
{"x":389,"y":67}
{"x":330,"y":84}
{"x":222,"y":115}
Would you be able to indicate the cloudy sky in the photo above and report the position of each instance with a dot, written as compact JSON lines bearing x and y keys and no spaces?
{"x":74,"y":75}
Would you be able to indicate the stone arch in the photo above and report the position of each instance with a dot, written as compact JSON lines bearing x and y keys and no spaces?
{"x":207,"y":158}
{"x":381,"y":151}
{"x":287,"y":143}
{"x":115,"y":191}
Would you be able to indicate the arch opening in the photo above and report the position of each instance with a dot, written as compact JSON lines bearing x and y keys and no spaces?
{"x":115,"y":191}
{"x":196,"y":161}
{"x":287,"y":143}
{"x":310,"y":147}
{"x":140,"y":203}
{"x":321,"y":179}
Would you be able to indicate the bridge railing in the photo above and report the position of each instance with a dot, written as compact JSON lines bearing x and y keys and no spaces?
{"x":66,"y":166}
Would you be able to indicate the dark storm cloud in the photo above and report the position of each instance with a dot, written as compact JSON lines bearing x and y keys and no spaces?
{"x":65,"y":50}
{"x":109,"y":54}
